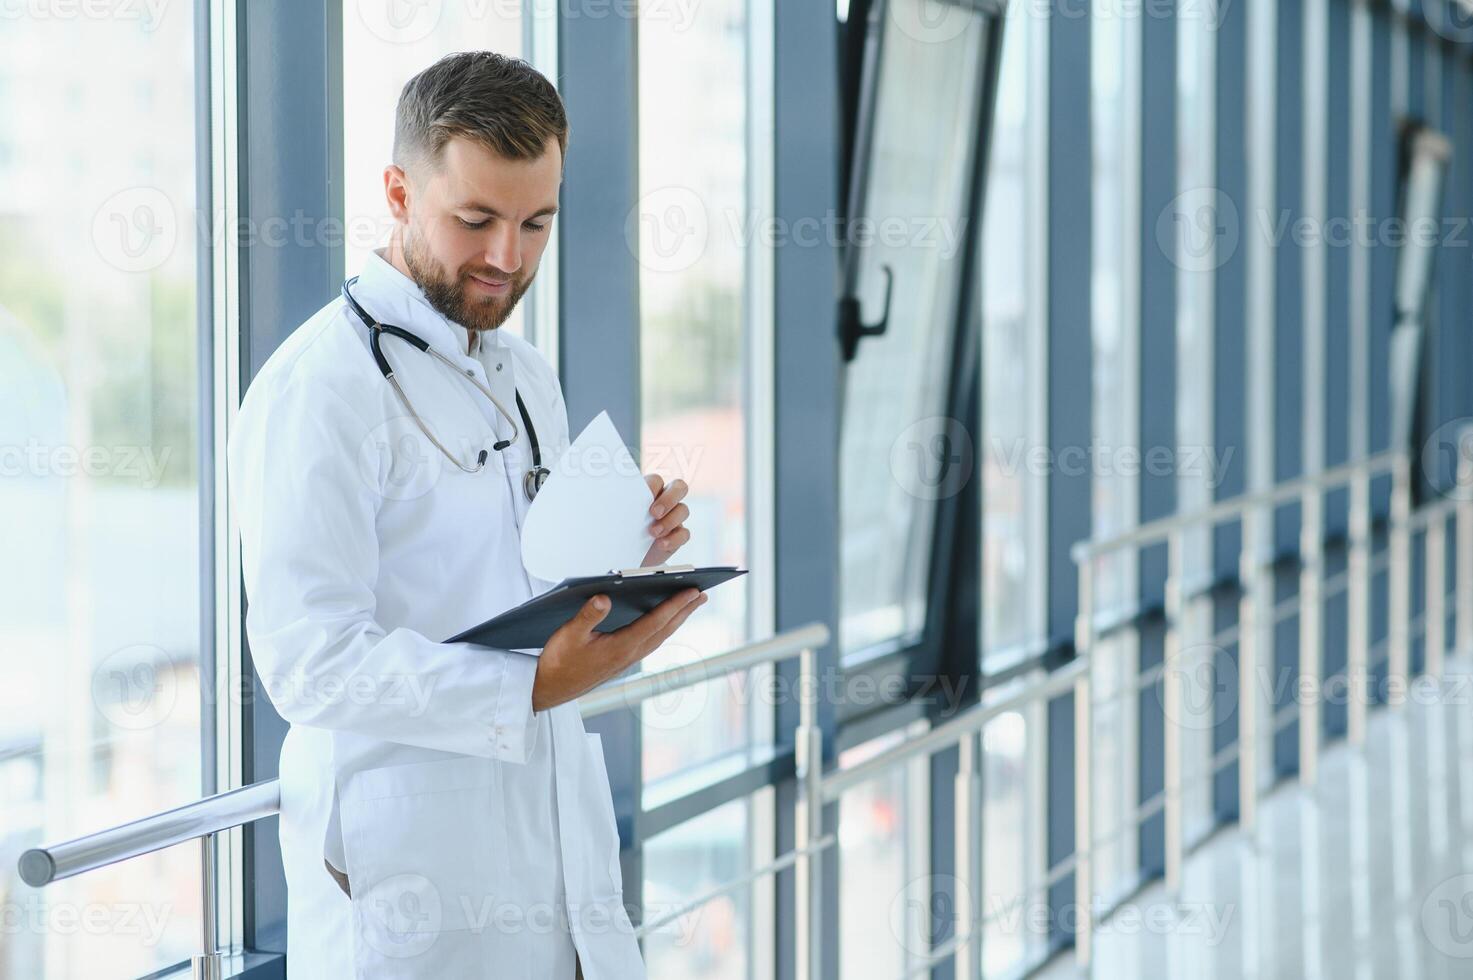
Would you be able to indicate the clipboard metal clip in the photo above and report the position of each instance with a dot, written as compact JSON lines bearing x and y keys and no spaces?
{"x":653,"y":570}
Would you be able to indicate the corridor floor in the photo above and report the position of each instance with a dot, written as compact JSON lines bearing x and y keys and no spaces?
{"x":1366,"y":875}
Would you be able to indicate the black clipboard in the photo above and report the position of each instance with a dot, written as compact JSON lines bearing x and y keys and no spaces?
{"x":632,"y":593}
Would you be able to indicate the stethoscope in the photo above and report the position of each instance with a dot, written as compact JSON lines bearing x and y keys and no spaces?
{"x":534,"y":478}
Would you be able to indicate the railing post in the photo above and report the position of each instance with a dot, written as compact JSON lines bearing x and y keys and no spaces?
{"x":207,"y":965}
{"x":808,"y":884}
{"x":968,"y":830}
{"x":1173,"y":677}
{"x":1083,"y":769}
{"x":1463,"y":556}
{"x":1311,"y":631}
{"x":1249,"y":636}
{"x":1358,"y":605}
{"x":1436,"y":591}
{"x":1399,"y":600}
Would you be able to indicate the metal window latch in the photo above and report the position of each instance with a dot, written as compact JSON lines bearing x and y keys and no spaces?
{"x":853,"y":329}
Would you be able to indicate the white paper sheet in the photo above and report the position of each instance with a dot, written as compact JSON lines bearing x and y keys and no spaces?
{"x":592,"y":516}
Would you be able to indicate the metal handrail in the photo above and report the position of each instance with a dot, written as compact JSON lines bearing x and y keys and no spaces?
{"x":641,"y":687}
{"x":1222,"y":511}
{"x":968,"y":723}
{"x":42,"y":865}
{"x":1259,"y":613}
{"x":203,"y":819}
{"x":818,"y":789}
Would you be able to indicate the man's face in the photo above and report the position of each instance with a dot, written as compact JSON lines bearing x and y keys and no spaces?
{"x":474,"y":228}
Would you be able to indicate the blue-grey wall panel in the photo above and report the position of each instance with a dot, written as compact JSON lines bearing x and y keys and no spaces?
{"x":1416,"y":73}
{"x":599,"y":287}
{"x":598,"y":304}
{"x":807,"y":383}
{"x":1335,"y":627}
{"x":1337,"y":259}
{"x":1284,"y":680}
{"x":290,"y":92}
{"x":1069,"y":391}
{"x":1158,"y":270}
{"x":1383,"y":257}
{"x":1288,"y":257}
{"x":1228,"y":366}
{"x":1157,"y":389}
{"x":1454,"y":262}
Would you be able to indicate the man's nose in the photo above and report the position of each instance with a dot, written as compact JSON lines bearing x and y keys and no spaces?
{"x":504,"y":249}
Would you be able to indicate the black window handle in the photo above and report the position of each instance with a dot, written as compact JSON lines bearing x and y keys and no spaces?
{"x":852,"y":329}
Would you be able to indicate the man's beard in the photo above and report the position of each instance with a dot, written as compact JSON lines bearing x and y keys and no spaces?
{"x":448,"y":296}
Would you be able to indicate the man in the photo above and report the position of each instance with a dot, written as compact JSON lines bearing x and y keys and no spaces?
{"x":444,"y":813}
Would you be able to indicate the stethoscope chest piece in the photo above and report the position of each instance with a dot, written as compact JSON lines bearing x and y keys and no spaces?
{"x":534,"y":479}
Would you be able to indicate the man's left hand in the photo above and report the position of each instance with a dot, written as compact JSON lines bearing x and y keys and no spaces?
{"x":669,"y":514}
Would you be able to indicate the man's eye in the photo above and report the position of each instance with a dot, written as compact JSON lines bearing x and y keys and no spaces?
{"x":534,"y":226}
{"x":473,"y":225}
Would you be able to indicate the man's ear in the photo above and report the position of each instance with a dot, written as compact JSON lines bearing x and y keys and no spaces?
{"x":396,"y":192}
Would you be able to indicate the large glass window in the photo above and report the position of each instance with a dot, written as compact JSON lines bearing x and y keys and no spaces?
{"x":1115,"y":90}
{"x":1014,"y":886}
{"x":99,"y":500}
{"x":1115,"y":780}
{"x":699,"y":327}
{"x":700,"y":231}
{"x":1014,"y":325}
{"x":710,"y":942}
{"x":1196,"y":176}
{"x":1116,"y":138}
{"x":882,"y":855}
{"x":899,"y":453}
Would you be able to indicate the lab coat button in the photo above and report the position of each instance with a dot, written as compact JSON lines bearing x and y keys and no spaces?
{"x":498,"y":365}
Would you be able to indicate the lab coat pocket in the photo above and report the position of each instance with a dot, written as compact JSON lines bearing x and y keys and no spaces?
{"x":424,"y":845}
{"x":603,"y":834}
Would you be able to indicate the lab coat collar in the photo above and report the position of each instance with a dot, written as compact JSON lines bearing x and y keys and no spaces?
{"x":392,"y":297}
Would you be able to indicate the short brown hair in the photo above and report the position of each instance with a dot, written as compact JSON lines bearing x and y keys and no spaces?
{"x":502,"y":103}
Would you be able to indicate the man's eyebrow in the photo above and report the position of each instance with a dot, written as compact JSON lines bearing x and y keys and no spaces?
{"x":487,"y":209}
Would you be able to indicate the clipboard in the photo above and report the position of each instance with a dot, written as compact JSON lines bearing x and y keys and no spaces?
{"x":632,"y":592}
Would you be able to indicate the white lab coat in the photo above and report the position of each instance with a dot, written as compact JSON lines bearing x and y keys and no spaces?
{"x":479,"y":838}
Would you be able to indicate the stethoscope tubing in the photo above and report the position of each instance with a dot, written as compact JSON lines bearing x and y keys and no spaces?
{"x":534,"y":478}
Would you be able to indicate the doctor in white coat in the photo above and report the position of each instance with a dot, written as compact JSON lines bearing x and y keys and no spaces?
{"x":444,"y":813}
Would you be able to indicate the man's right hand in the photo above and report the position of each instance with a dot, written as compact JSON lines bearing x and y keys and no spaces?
{"x":578,"y":658}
